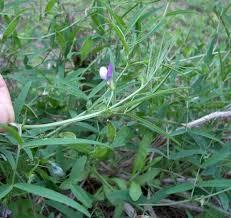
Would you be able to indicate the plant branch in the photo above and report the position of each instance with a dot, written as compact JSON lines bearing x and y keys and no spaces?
{"x":207,"y":118}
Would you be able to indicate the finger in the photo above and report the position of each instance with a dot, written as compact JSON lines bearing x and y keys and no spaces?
{"x":4,"y":93}
{"x":6,"y":108}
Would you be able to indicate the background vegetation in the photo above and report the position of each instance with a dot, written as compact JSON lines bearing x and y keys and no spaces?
{"x":80,"y":149}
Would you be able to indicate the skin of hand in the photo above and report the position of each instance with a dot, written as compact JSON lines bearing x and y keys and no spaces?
{"x":6,"y":107}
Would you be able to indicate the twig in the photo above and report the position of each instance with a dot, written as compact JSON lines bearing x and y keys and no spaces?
{"x":169,"y":181}
{"x":129,"y":210}
{"x":209,"y":117}
{"x":192,"y":207}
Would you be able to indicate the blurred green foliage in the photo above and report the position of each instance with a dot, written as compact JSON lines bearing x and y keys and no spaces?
{"x":82,"y":149}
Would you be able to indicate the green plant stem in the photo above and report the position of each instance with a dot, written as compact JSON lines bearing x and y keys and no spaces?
{"x":16,"y":164}
{"x":84,"y":117}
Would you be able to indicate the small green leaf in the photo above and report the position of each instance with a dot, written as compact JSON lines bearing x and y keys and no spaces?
{"x":121,"y":137}
{"x":135,"y":191}
{"x":61,"y":141}
{"x":147,"y":177}
{"x":86,"y":48}
{"x":11,"y":27}
{"x":50,"y":5}
{"x":52,"y":195}
{"x":111,"y":132}
{"x":217,"y":157}
{"x":186,"y":153}
{"x":21,"y":99}
{"x":139,"y":161}
{"x":209,"y":54}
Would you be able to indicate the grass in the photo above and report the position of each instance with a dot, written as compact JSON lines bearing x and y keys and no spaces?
{"x":78,"y":147}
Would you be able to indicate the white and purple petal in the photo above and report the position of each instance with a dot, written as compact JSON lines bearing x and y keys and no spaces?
{"x":103,"y":73}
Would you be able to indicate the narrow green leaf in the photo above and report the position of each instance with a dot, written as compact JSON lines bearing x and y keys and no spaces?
{"x":139,"y":161}
{"x":52,"y":195}
{"x":96,"y":89}
{"x":1,"y":5}
{"x":178,"y":12}
{"x":11,"y":27}
{"x":186,"y":153}
{"x":120,"y":34}
{"x":216,"y":183}
{"x":153,"y":127}
{"x":21,"y":99}
{"x":86,"y":48}
{"x":67,"y":211}
{"x":209,"y":53}
{"x":9,"y":157}
{"x":82,"y":196}
{"x":61,"y":141}
{"x":4,"y":190}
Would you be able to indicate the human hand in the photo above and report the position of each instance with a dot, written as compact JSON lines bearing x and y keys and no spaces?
{"x":6,"y":108}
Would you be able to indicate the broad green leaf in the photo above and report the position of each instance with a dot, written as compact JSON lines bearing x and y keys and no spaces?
{"x":11,"y":27}
{"x":4,"y":190}
{"x":21,"y":99}
{"x":52,"y":195}
{"x":135,"y":191}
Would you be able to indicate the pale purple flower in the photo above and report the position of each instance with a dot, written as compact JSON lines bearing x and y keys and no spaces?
{"x":106,"y":73}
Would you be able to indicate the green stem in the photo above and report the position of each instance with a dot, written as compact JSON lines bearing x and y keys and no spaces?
{"x":16,"y":164}
{"x":83,"y":117}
